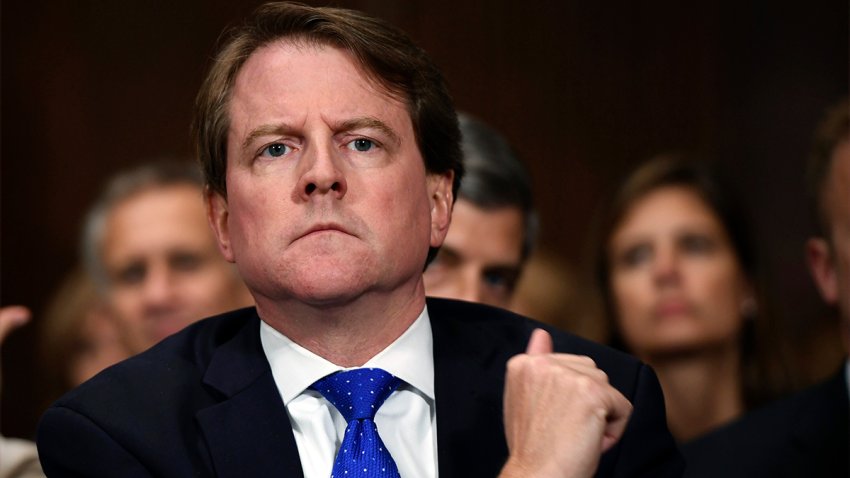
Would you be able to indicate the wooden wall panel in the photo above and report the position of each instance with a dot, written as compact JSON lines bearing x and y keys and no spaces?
{"x":584,"y":91}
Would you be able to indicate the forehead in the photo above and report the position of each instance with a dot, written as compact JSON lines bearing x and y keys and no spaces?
{"x":673,"y":199}
{"x":291,"y":80}
{"x":156,"y":216}
{"x":503,"y":227}
{"x":502,"y":224}
{"x":665,"y":208}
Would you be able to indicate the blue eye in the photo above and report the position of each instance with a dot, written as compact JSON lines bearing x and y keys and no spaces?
{"x":275,"y":150}
{"x":361,"y":144}
{"x":502,"y":279}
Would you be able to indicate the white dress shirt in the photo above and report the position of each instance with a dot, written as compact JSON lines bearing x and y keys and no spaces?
{"x":406,"y":421}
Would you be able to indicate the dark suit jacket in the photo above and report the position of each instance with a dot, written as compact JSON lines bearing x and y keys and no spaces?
{"x":805,"y":435}
{"x":203,"y":403}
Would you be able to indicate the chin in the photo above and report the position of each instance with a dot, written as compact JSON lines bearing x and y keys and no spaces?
{"x":683,"y":345}
{"x":327,"y":296}
{"x":333,"y":287}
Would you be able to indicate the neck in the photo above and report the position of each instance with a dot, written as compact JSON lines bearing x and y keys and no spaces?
{"x":350,"y":333}
{"x":702,"y":391}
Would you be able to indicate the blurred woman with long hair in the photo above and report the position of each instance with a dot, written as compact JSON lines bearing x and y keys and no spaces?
{"x":679,"y":281}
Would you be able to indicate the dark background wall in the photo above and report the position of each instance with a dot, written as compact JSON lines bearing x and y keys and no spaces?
{"x":584,"y":90}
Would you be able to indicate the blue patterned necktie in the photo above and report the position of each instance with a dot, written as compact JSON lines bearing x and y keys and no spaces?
{"x":358,"y":394}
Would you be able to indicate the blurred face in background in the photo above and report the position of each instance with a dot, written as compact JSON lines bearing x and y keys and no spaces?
{"x":829,"y":258}
{"x":98,"y":345}
{"x":481,"y":258}
{"x":163,"y":267}
{"x":676,"y":282}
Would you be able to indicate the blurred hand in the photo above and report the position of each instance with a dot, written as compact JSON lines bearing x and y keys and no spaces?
{"x":12,"y":317}
{"x":561,"y":413}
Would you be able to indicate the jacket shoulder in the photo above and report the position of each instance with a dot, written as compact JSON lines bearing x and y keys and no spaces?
{"x":174,"y":363}
{"x":510,"y":331}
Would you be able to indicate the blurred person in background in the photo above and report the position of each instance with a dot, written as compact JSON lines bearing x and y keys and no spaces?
{"x":808,"y":433}
{"x":494,"y":224}
{"x":150,"y":251}
{"x":78,"y":335}
{"x":678,"y":277}
{"x":18,"y":458}
{"x":550,"y":292}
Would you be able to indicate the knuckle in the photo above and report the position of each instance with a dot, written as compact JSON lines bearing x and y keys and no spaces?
{"x":601,"y":376}
{"x":539,"y":362}
{"x":515,"y":363}
{"x":585,"y":385}
{"x":586,"y":360}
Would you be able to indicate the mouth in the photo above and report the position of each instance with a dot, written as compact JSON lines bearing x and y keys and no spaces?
{"x":672,"y":309}
{"x":323,"y":228}
{"x":164,"y":326}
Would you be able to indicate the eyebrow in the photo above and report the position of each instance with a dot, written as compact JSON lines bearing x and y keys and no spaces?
{"x":370,"y":122}
{"x":265,"y":130}
{"x":281,"y":129}
{"x":450,"y":252}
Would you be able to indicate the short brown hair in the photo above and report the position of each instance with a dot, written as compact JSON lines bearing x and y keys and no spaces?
{"x":385,"y":54}
{"x":833,"y":130}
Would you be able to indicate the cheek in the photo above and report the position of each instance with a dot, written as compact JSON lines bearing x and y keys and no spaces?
{"x":720,"y":293}
{"x":126,"y":303}
{"x":248,"y":222}
{"x":631,"y":294}
{"x":408,"y":206}
{"x":209,"y":284}
{"x":440,"y":280}
{"x":499,"y":299}
{"x":433,"y":278}
{"x":632,"y":300}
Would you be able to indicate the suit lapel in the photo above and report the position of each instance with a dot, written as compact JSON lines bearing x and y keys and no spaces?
{"x":469,"y":380}
{"x":820,"y":431}
{"x":248,"y":432}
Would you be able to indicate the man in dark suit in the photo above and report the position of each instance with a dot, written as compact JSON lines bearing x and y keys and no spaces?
{"x":494,"y":224}
{"x":805,"y":434}
{"x":330,"y":148}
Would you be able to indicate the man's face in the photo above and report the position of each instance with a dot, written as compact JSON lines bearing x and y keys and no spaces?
{"x":830,"y":260}
{"x":481,"y":259}
{"x":163,"y":268}
{"x":328,"y":200}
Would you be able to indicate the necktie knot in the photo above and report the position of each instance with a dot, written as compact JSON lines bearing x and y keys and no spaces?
{"x":358,"y":393}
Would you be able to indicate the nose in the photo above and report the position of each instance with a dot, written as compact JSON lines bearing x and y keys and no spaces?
{"x":469,"y":293}
{"x":468,"y":286}
{"x":666,"y":268}
{"x":321,"y":174}
{"x":158,"y":291}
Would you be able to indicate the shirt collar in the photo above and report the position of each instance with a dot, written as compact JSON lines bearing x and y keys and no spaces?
{"x":294,"y":368}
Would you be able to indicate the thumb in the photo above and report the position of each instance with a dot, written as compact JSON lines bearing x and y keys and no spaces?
{"x":539,"y":343}
{"x":12,"y":317}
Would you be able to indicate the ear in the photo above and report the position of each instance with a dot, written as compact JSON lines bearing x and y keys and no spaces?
{"x":218,"y":215}
{"x":749,"y":306}
{"x":441,"y":200}
{"x":822,"y":267}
